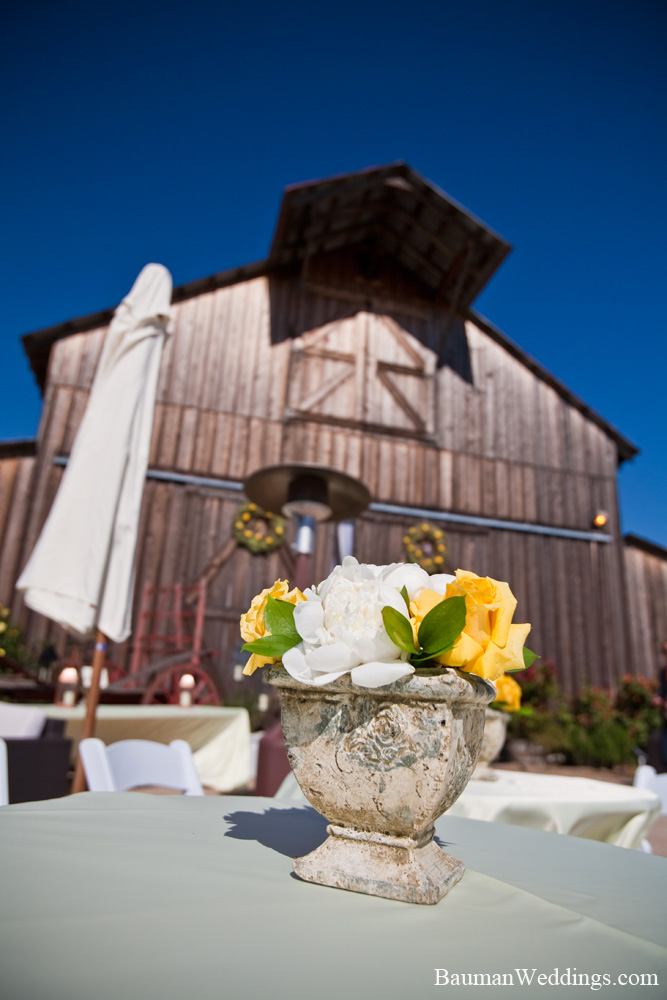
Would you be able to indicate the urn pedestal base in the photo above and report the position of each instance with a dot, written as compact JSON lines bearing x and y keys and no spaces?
{"x":413,"y":870}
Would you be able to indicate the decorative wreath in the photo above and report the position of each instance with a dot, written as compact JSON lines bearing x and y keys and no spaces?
{"x":259,"y":530}
{"x":427,"y":546}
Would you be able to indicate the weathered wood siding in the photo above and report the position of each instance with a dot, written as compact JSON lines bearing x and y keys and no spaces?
{"x":646,"y":576}
{"x":16,"y":479}
{"x":271,"y":369}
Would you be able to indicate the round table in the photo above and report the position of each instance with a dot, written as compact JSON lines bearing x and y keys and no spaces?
{"x":219,"y":736}
{"x":112,"y":895}
{"x":581,"y":807}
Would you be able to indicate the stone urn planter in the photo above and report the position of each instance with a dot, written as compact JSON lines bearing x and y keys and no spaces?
{"x":381,"y":765}
{"x":495,"y":733}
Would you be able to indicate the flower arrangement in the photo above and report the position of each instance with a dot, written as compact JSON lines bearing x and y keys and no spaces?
{"x":381,"y":623}
{"x":508,"y":695}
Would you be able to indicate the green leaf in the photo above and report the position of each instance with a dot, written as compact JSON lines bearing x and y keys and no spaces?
{"x":442,"y":626}
{"x":399,"y":629}
{"x":499,"y":706}
{"x":529,"y":657}
{"x":279,"y":619}
{"x":270,"y":645}
{"x":406,"y":597}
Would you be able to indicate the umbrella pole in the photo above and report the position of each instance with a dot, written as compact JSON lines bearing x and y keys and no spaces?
{"x":79,"y":782}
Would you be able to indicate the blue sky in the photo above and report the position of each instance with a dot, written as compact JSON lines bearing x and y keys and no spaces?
{"x":139,"y":132}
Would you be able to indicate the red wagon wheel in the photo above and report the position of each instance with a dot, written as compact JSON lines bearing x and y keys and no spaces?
{"x":115,"y":672}
{"x":164,"y":689}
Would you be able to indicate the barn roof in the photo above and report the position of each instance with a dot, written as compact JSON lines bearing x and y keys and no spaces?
{"x":637,"y":542}
{"x":396,"y":212}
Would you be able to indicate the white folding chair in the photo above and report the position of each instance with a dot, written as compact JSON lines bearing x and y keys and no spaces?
{"x":647,"y":777}
{"x":131,"y":763}
{"x":21,"y":721}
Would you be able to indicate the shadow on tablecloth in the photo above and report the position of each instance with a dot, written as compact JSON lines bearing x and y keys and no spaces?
{"x":292,"y":832}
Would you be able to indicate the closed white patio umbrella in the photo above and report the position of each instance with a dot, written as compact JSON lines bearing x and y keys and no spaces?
{"x":81,"y":571}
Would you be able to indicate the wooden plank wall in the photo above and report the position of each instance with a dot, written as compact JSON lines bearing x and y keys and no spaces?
{"x":501,"y":443}
{"x":646,"y":581}
{"x":16,"y":479}
{"x":564,"y":588}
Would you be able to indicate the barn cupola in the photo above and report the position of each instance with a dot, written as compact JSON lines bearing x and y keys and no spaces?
{"x":385,"y":229}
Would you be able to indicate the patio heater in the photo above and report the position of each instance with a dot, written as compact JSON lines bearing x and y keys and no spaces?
{"x":309,"y":494}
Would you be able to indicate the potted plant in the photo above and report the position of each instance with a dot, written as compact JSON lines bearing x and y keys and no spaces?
{"x":384,"y":674}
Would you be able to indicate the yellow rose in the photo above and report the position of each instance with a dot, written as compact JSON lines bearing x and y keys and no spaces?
{"x":3,"y":626}
{"x":509,"y":693}
{"x":253,"y":625}
{"x":489,"y":644}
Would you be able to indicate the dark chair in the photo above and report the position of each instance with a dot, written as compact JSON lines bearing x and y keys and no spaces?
{"x":37,"y":766}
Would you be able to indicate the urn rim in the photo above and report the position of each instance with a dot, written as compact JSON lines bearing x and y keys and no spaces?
{"x":427,"y":684}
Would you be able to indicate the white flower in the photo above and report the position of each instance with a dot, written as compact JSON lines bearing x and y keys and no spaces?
{"x":412,"y":577}
{"x":342,"y":628}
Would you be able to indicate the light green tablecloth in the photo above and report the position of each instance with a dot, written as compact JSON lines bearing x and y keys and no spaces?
{"x":124,"y":896}
{"x":219,"y":737}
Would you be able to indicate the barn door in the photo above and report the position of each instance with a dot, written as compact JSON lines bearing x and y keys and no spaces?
{"x":400,"y":377}
{"x":363,"y":370}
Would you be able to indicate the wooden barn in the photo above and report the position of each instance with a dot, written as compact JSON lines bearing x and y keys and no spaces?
{"x":355,"y":345}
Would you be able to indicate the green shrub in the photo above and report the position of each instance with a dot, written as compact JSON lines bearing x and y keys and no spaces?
{"x":605,"y":744}
{"x":635,"y":701}
{"x":12,"y":645}
{"x":593,"y":726}
{"x":539,"y":687}
{"x":547,"y":729}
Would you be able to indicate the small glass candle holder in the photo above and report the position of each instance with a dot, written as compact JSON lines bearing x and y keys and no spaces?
{"x":185,"y":687}
{"x":67,"y":687}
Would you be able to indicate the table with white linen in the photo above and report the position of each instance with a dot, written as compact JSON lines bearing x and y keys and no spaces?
{"x":166,"y":897}
{"x":219,"y":737}
{"x":582,"y":807}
